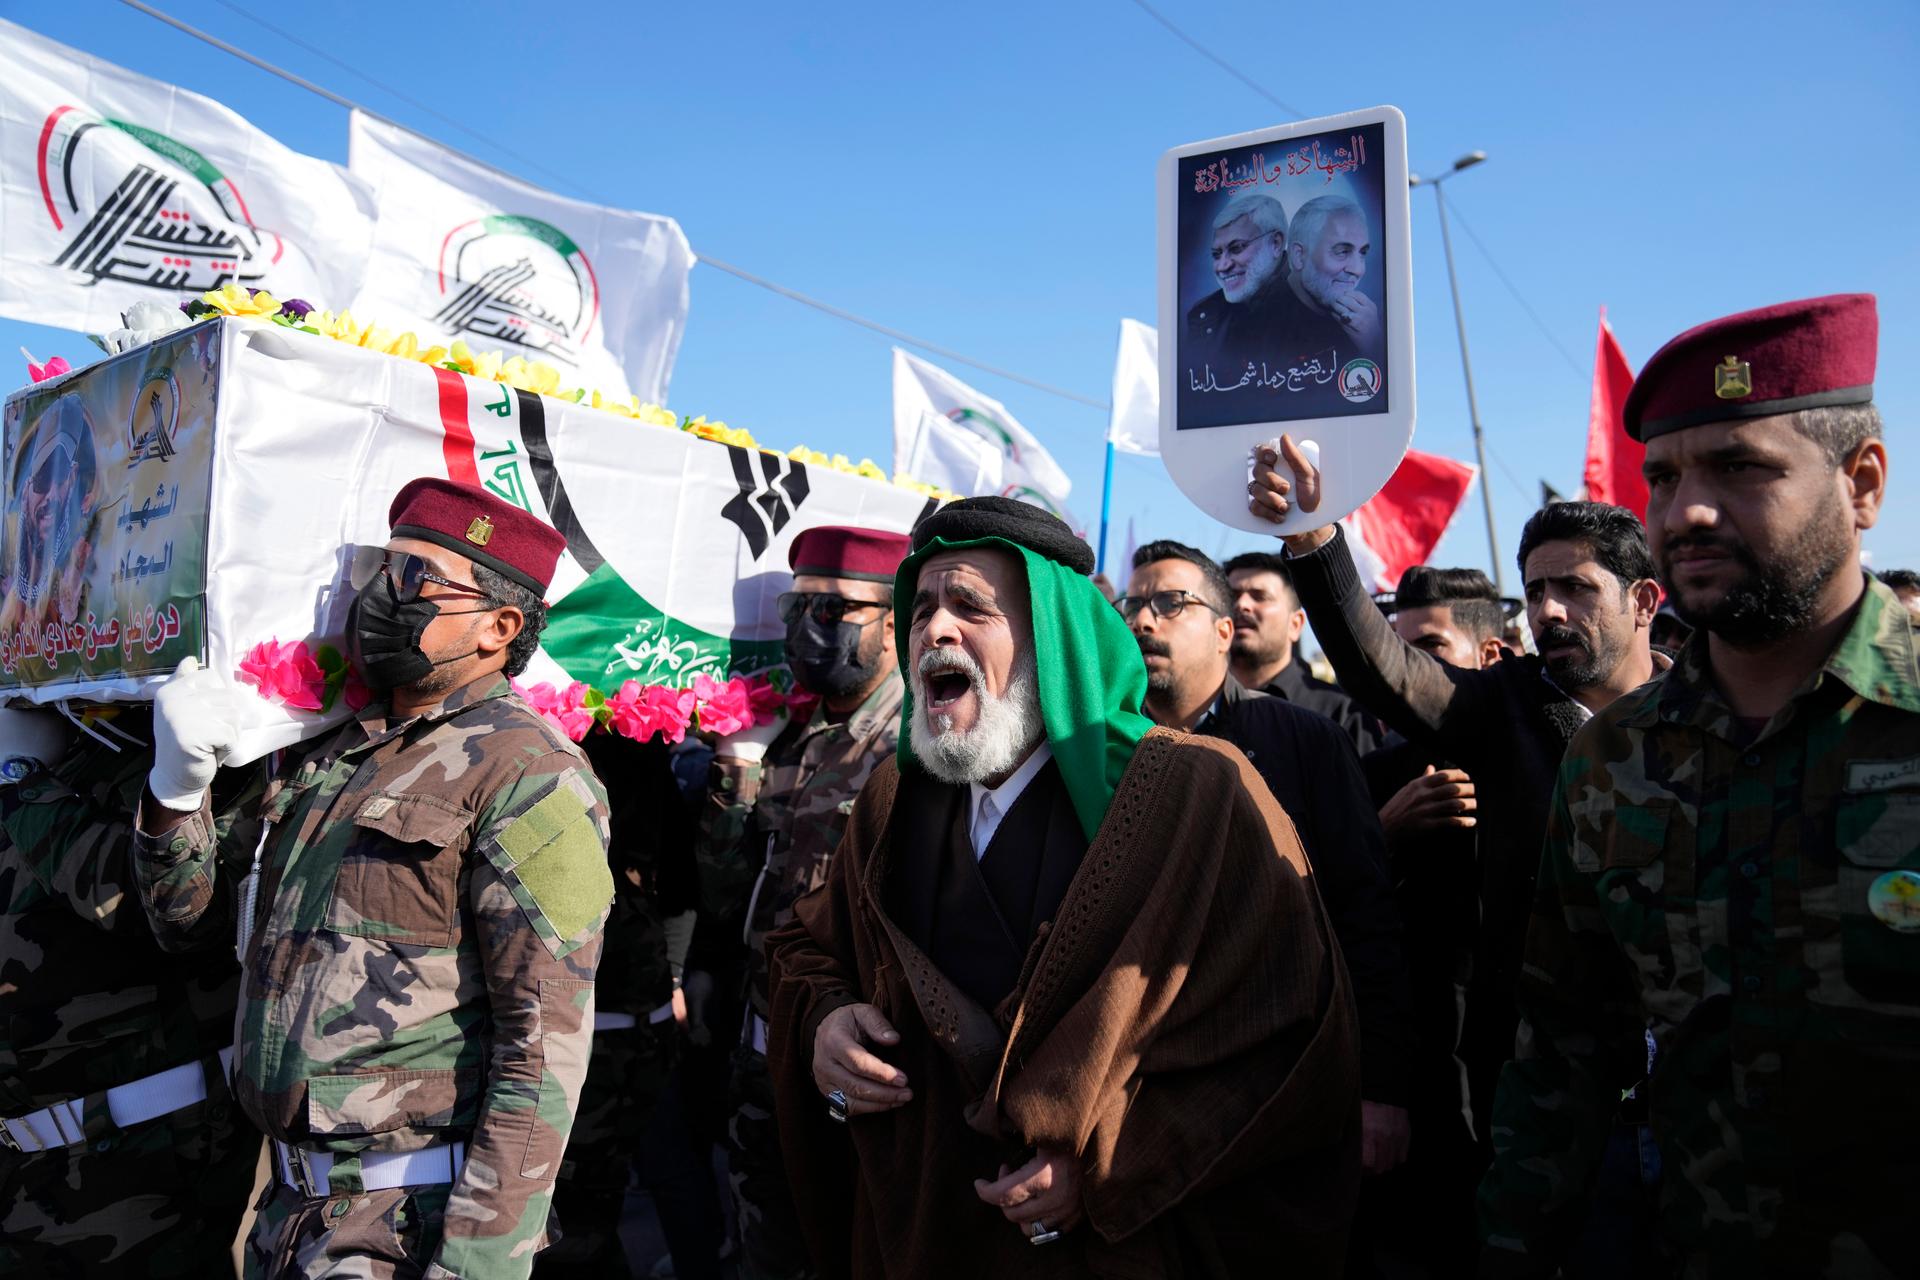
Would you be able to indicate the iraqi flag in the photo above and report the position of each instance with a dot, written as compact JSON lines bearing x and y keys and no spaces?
{"x":1613,"y":457}
{"x":461,"y":250}
{"x":117,"y":189}
{"x":1401,"y":525}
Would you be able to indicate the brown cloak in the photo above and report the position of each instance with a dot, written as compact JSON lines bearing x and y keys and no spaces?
{"x":1183,"y":1023}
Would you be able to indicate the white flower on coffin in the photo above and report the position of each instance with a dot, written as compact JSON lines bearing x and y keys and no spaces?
{"x":145,"y":322}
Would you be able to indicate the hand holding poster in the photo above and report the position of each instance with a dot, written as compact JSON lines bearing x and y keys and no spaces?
{"x":1286,"y":306}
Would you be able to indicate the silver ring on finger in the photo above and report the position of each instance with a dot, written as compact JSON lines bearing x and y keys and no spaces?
{"x":1040,"y":1233}
{"x":837,"y":1107}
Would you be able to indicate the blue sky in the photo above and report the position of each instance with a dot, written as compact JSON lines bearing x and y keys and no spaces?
{"x":983,"y":177}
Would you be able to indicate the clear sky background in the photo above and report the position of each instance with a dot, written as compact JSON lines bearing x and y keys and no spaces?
{"x":983,"y":176}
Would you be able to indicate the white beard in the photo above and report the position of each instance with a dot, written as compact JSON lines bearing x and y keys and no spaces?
{"x":1008,"y":727}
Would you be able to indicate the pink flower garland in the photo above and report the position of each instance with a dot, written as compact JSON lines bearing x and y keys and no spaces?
{"x":299,"y":676}
{"x":640,"y":711}
{"x":285,"y":674}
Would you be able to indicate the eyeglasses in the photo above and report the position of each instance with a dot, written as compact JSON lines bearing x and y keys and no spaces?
{"x":826,"y":607}
{"x":1237,"y":247}
{"x":407,"y":572}
{"x":1165,"y":604}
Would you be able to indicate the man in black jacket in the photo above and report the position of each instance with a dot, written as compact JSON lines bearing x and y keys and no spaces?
{"x":1590,"y":601}
{"x":1177,"y":604}
{"x":1267,"y":621}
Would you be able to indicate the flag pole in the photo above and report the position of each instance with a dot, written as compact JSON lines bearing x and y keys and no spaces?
{"x":1106,"y":509}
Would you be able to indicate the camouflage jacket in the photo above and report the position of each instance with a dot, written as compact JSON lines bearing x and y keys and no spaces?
{"x":1754,"y":904}
{"x":421,"y":966}
{"x":87,"y":999}
{"x":769,"y":829}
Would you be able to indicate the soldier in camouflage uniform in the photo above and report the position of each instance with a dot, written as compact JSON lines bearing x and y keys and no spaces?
{"x":416,"y":1007}
{"x":121,"y":1153}
{"x":774,"y":816}
{"x":1733,"y":857}
{"x":636,"y":1027}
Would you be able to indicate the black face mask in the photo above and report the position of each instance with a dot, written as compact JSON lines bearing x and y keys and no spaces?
{"x":383,"y":636}
{"x":825,"y":657}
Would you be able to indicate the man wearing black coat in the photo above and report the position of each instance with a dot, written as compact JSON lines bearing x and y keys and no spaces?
{"x":1179,"y":609}
{"x":1590,"y":602}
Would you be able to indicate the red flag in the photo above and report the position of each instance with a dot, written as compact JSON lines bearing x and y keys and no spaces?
{"x":1613,"y":457}
{"x":1401,"y":525}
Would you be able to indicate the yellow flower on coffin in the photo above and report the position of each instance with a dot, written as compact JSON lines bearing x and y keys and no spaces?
{"x":870,"y":469}
{"x":530,"y":375}
{"x":621,"y":407}
{"x":462,"y":357}
{"x":342,"y":328}
{"x":812,"y":457}
{"x":374,"y":338}
{"x":720,"y":432}
{"x":407,"y":347}
{"x":656,"y":415}
{"x":238,"y":300}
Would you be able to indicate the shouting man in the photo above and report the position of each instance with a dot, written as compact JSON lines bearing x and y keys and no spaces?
{"x":1068,"y":983}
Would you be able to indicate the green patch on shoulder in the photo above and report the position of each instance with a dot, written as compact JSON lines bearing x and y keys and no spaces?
{"x":565,"y":875}
{"x":532,"y":830}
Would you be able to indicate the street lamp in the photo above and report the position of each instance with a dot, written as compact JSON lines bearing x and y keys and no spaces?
{"x":1466,"y":161}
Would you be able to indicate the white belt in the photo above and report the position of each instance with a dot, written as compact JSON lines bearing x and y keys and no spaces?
{"x":756,"y":1036}
{"x":306,"y":1171}
{"x":61,"y":1124}
{"x":612,"y":1020}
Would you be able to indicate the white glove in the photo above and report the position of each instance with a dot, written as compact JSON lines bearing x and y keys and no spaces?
{"x":750,"y":745}
{"x":196,"y":722}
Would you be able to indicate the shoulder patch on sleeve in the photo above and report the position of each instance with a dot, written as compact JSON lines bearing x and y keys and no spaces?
{"x":554,"y":857}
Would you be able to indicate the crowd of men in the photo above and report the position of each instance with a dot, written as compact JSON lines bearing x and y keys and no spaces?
{"x":1062,"y":935}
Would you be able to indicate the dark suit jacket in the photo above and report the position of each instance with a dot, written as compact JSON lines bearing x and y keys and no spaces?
{"x":1507,"y":726}
{"x":1302,"y":688}
{"x":1309,"y":766}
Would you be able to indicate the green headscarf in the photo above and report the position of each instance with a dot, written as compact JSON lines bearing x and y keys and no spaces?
{"x":1088,"y":668}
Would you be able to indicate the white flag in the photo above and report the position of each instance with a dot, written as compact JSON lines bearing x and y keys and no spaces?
{"x":1135,"y":424}
{"x":938,"y":418}
{"x":117,"y":189}
{"x":464,"y":251}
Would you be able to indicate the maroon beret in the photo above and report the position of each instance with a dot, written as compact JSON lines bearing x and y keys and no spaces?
{"x":485,"y":529}
{"x":1796,"y":355}
{"x":842,"y":551}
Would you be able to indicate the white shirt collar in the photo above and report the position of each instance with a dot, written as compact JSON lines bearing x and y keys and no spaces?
{"x":988,"y":805}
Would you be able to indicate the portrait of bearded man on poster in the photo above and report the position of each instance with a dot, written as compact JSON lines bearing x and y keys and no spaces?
{"x":53,"y":486}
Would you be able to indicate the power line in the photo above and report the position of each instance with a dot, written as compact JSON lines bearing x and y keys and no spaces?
{"x":1217,"y":60}
{"x":839,"y":313}
{"x":1525,"y":306}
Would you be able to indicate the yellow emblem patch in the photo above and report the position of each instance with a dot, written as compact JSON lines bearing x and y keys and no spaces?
{"x":1732,"y":379}
{"x":480,"y":532}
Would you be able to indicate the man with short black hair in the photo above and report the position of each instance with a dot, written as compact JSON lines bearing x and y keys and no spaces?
{"x":1175,"y":604}
{"x":1906,"y":585}
{"x":1453,"y":614}
{"x":1732,"y":866}
{"x":1267,"y":622}
{"x":1590,"y":600}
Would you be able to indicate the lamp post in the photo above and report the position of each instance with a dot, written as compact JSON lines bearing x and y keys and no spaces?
{"x":1466,"y":364}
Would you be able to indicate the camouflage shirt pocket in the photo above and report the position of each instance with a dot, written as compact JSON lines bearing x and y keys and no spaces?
{"x":373,"y":1102}
{"x":1875,"y":881}
{"x":399,"y":878}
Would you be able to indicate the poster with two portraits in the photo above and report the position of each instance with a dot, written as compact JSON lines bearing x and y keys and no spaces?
{"x":1286,"y":306}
